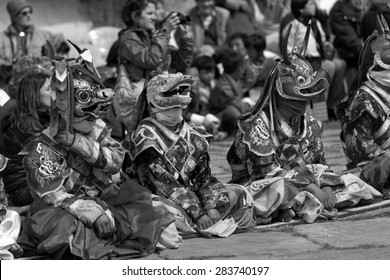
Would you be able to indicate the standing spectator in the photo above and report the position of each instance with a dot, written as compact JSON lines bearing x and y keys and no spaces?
{"x":22,"y":37}
{"x":226,"y":99}
{"x":345,"y":22}
{"x":211,"y":27}
{"x":318,"y":49}
{"x":143,"y":48}
{"x":26,"y":122}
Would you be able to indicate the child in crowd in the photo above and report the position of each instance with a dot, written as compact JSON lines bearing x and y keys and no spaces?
{"x":227,"y":100}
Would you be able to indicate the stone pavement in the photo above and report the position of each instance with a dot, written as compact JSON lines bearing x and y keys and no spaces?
{"x":359,"y":233}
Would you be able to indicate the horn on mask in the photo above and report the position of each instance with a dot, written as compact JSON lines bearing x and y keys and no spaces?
{"x":302,"y":51}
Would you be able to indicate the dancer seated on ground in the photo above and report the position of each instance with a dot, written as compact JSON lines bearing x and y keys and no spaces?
{"x":78,"y":207}
{"x":364,"y":114}
{"x":24,"y":122}
{"x":171,"y":158}
{"x":281,"y":140}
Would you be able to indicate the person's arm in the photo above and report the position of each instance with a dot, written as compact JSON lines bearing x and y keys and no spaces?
{"x":183,"y":57}
{"x":142,"y":53}
{"x":98,"y":148}
{"x":48,"y":182}
{"x":212,"y":192}
{"x":360,"y":140}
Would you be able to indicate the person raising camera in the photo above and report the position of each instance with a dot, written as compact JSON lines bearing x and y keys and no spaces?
{"x":144,"y":45}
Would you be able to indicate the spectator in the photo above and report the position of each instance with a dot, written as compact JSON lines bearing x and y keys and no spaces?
{"x":143,"y":48}
{"x":227,"y":100}
{"x":211,"y":27}
{"x":26,"y":122}
{"x":197,"y":112}
{"x":22,"y":37}
{"x":345,"y":22}
{"x":369,"y":18}
{"x":319,"y":50}
{"x":175,"y":164}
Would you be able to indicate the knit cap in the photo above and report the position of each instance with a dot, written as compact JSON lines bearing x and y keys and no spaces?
{"x":15,"y":6}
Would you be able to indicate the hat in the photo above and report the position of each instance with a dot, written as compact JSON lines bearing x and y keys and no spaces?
{"x":15,"y":6}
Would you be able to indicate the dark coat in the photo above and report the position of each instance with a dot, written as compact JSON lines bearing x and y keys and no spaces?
{"x":345,"y":22}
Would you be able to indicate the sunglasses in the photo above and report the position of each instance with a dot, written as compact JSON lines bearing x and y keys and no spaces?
{"x":183,"y":90}
{"x":25,"y":13}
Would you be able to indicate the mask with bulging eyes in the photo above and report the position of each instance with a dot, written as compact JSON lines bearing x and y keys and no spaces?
{"x":90,"y":99}
{"x":296,"y":79}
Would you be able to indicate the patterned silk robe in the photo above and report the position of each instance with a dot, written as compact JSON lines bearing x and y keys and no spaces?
{"x":258,"y":153}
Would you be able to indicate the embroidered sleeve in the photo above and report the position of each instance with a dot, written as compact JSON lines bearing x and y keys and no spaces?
{"x":86,"y":211}
{"x":212,"y":192}
{"x":359,"y":138}
{"x":99,"y":149}
{"x":153,"y":174}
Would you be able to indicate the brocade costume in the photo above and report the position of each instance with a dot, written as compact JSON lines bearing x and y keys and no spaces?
{"x":364,"y":114}
{"x":78,"y":208}
{"x":255,"y":155}
{"x":174,"y":162}
{"x":278,"y":153}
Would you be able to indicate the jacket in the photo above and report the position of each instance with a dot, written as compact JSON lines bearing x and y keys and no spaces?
{"x":142,"y":52}
{"x":10,"y":48}
{"x":345,"y":22}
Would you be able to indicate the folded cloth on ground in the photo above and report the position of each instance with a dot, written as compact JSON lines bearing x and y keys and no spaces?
{"x":222,"y":228}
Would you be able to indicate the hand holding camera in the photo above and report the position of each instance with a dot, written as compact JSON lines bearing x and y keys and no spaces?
{"x":173,"y":20}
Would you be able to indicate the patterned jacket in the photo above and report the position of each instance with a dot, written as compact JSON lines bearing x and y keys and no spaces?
{"x":176,"y":166}
{"x":365,"y":124}
{"x":255,"y":154}
{"x":66,"y":177}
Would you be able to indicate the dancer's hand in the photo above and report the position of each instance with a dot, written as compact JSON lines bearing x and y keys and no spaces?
{"x":103,"y":226}
{"x":204,"y":222}
{"x":214,"y":215}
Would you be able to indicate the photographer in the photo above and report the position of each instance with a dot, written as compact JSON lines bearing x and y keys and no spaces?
{"x":143,"y":47}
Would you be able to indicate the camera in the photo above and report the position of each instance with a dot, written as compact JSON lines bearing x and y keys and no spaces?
{"x":184,"y":20}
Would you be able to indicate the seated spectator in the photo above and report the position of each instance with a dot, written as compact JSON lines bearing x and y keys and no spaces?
{"x":255,"y":45}
{"x":304,"y":11}
{"x":345,"y":21}
{"x":80,"y":210}
{"x":143,"y":48}
{"x":22,"y":37}
{"x":227,"y":100}
{"x":211,"y":27}
{"x":197,"y":112}
{"x":174,"y":163}
{"x":369,"y":18}
{"x":364,"y":115}
{"x":277,"y":151}
{"x":24,"y":123}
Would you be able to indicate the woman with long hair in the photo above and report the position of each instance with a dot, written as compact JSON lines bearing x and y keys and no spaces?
{"x":144,"y":46}
{"x":27,"y":121}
